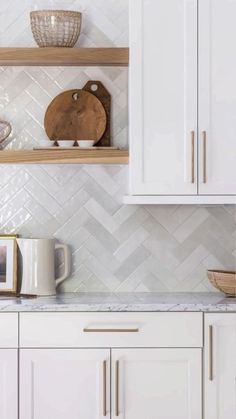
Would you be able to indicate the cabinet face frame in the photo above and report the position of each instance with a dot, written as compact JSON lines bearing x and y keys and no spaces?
{"x":184,"y":168}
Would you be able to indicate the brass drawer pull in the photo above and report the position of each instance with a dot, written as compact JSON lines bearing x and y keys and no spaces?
{"x":204,"y":134}
{"x":117,"y":395}
{"x":193,"y":156}
{"x":88,"y":330}
{"x":104,"y":406}
{"x":211,"y":353}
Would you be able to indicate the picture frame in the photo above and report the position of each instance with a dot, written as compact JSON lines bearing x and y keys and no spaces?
{"x":8,"y":264}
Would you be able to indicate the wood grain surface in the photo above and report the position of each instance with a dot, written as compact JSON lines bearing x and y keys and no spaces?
{"x":98,"y":89}
{"x":78,"y":155}
{"x":64,"y":56}
{"x":75,"y":115}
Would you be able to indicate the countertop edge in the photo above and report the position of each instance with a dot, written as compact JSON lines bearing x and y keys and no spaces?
{"x":140,"y":302}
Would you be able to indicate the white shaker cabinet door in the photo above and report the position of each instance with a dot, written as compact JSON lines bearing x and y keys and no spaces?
{"x":220,"y":366}
{"x":163,"y":97}
{"x":156,"y":384}
{"x":217,"y":97}
{"x":8,"y":384}
{"x":64,"y":383}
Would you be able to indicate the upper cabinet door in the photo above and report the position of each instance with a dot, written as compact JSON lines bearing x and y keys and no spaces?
{"x":163,"y":97}
{"x":217,"y":97}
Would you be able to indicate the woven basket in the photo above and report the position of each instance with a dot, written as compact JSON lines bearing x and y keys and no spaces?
{"x":55,"y":28}
{"x":223,"y":281}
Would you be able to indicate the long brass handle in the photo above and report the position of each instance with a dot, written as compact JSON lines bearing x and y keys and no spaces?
{"x":117,"y":395}
{"x":193,"y":156}
{"x":104,"y":404}
{"x":88,"y":330}
{"x":204,"y":135}
{"x":211,"y":353}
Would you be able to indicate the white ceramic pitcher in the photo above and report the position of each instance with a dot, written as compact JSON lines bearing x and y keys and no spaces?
{"x":38,"y":266}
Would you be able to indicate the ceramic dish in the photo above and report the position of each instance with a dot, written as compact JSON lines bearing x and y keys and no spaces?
{"x":86,"y":143}
{"x":66,"y":144}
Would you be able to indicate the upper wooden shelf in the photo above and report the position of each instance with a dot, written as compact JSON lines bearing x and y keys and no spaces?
{"x":104,"y":156}
{"x":64,"y":57}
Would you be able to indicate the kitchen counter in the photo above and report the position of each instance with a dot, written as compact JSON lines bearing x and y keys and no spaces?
{"x":155,"y":302}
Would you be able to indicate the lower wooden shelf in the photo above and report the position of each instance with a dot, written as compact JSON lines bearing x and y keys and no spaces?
{"x":64,"y":156}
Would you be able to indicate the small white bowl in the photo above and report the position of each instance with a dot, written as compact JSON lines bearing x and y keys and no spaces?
{"x":86,"y":143}
{"x":66,"y":144}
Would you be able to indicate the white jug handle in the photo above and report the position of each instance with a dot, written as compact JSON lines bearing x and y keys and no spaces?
{"x":66,"y":273}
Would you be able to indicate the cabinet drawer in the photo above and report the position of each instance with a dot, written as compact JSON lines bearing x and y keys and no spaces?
{"x":8,"y":330}
{"x":110,"y":330}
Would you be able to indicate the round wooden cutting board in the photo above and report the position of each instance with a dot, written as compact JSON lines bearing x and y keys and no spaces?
{"x":75,"y":115}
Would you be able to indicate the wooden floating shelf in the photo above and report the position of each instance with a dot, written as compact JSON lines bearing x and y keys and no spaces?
{"x":64,"y":57}
{"x":64,"y":157}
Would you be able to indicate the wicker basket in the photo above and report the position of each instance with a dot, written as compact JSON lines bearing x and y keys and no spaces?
{"x":55,"y":28}
{"x":223,"y":281}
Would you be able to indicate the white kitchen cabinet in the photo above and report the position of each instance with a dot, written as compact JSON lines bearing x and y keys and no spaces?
{"x":64,"y":383}
{"x":106,"y":330}
{"x":60,"y":377}
{"x":146,"y":383}
{"x":157,"y":383}
{"x":8,"y":384}
{"x":220,"y":366}
{"x":163,"y":96}
{"x":155,"y":359}
{"x":217,"y":97}
{"x":182,"y":102}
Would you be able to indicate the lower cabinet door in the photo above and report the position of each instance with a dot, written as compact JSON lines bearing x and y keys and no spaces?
{"x":64,"y":383}
{"x":8,"y":384}
{"x":157,"y":383}
{"x":220,"y":366}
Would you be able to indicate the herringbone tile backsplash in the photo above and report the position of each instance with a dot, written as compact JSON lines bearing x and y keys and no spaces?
{"x":114,"y":247}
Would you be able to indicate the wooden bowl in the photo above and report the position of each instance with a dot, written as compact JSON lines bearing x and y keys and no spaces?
{"x":223,"y":281}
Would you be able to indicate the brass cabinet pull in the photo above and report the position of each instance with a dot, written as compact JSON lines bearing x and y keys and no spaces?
{"x":104,"y":404}
{"x":117,"y":380}
{"x":193,"y":156}
{"x":211,"y":353}
{"x":204,"y":135}
{"x":88,"y":330}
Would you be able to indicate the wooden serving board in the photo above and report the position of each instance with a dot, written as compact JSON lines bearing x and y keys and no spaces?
{"x":75,"y":115}
{"x":98,"y":89}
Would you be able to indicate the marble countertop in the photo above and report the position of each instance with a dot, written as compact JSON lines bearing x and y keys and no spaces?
{"x":156,"y":302}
